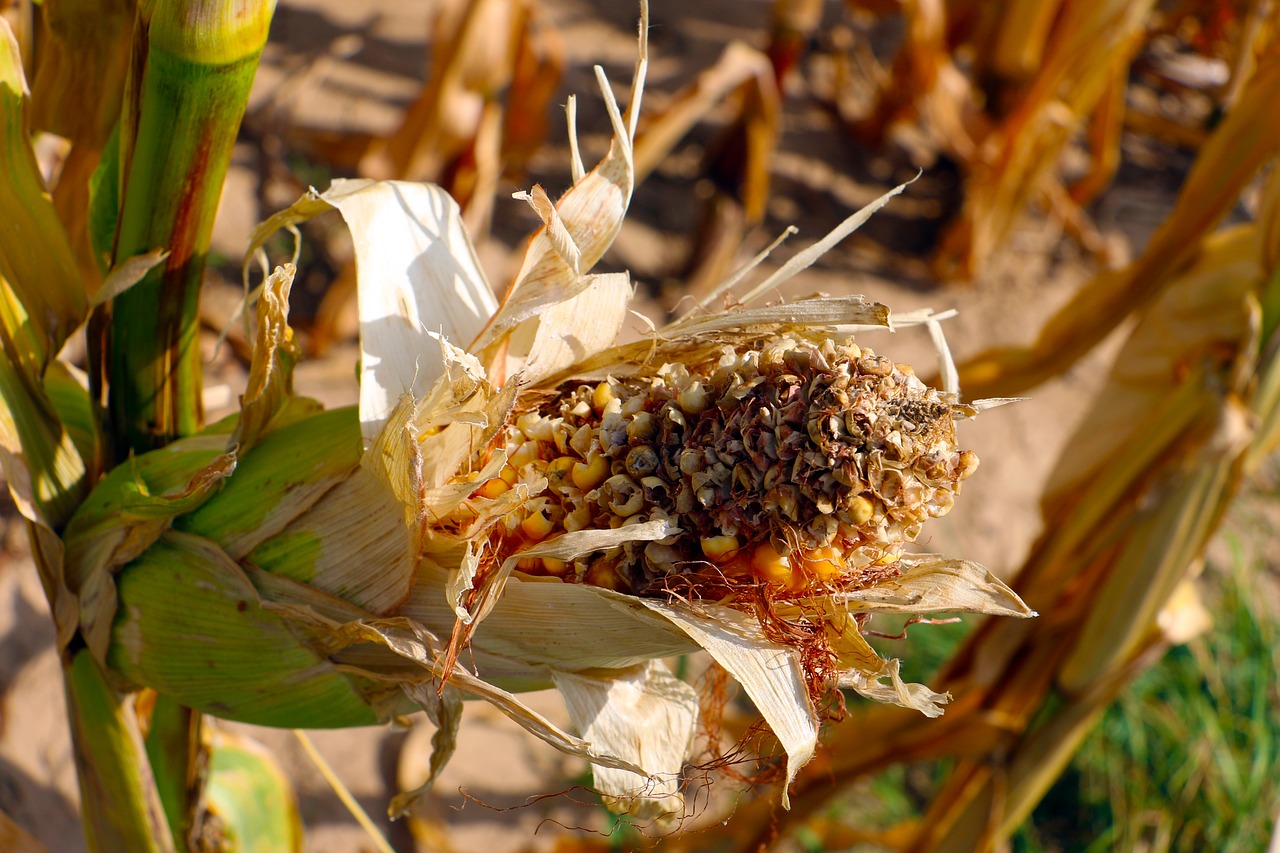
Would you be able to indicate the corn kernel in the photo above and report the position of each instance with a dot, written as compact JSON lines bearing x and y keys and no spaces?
{"x":861,"y":509}
{"x":492,"y":488}
{"x":604,"y":573}
{"x":537,"y":526}
{"x":770,"y":566}
{"x":534,"y":426}
{"x":968,"y":464}
{"x":509,"y":475}
{"x":693,"y":399}
{"x":602,"y":395}
{"x":720,"y":549}
{"x":577,"y":519}
{"x":588,"y":475}
{"x":530,"y":565}
{"x":524,"y":454}
{"x":642,"y":426}
{"x":558,"y":469}
{"x":552,"y":566}
{"x":822,"y":564}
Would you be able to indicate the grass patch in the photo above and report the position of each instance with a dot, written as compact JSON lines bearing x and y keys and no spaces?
{"x":1188,"y":759}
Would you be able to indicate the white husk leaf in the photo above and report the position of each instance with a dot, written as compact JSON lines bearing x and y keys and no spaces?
{"x":417,"y":274}
{"x":770,"y":673}
{"x":897,"y":691}
{"x":568,"y":332}
{"x":610,"y":707}
{"x":934,"y":584}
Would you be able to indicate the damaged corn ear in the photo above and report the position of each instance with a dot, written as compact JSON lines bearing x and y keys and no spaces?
{"x":800,"y":465}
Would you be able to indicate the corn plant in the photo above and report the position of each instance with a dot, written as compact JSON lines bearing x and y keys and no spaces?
{"x":564,"y":509}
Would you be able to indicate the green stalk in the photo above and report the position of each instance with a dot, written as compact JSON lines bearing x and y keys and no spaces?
{"x":174,"y":749}
{"x":119,"y":805}
{"x":191,"y":67}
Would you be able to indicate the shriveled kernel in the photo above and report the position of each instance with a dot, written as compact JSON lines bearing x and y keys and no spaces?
{"x":691,"y":462}
{"x":577,"y":519}
{"x":625,"y":497}
{"x":770,"y":566}
{"x":536,"y":527}
{"x":530,"y":565}
{"x":642,"y":461}
{"x":642,"y":427}
{"x":601,"y":397}
{"x":693,"y":399}
{"x":588,"y":475}
{"x":720,"y":549}
{"x":861,"y":509}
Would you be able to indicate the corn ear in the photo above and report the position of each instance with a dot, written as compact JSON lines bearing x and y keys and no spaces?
{"x":192,"y":626}
{"x":362,"y":640}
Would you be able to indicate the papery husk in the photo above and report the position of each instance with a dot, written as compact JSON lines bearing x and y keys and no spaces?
{"x":432,"y":283}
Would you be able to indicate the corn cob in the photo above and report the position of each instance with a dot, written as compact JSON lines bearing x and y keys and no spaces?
{"x":802,"y":466}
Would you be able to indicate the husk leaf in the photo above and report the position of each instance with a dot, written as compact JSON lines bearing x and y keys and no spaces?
{"x":609,"y":708}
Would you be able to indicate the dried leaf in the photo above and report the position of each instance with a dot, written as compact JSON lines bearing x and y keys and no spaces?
{"x":610,"y":707}
{"x":771,"y":674}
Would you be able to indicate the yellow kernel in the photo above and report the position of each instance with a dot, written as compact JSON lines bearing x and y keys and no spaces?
{"x":861,"y":509}
{"x":720,"y":549}
{"x":588,"y":475}
{"x":822,"y":564}
{"x":492,"y":488}
{"x":552,"y":566}
{"x":530,"y":565}
{"x":770,"y":566}
{"x":601,"y":397}
{"x":968,"y":464}
{"x":509,"y":475}
{"x":535,"y":426}
{"x":604,"y":572}
{"x":537,"y":526}
{"x":558,"y":469}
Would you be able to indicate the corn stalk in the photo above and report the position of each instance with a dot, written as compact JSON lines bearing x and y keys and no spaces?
{"x":189,"y":68}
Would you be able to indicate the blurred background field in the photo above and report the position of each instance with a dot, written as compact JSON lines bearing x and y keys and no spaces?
{"x":1075,"y":160}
